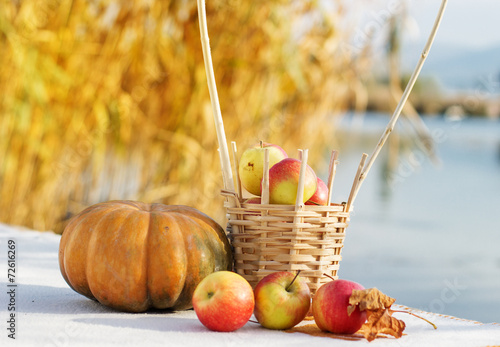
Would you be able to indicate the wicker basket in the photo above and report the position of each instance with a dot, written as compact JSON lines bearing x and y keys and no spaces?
{"x":273,"y":238}
{"x":268,"y":237}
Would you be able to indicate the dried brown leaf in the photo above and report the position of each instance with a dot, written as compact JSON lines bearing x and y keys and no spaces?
{"x":369,"y":299}
{"x":381,"y":321}
{"x":379,"y":315}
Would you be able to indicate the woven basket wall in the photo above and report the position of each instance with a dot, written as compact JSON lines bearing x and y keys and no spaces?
{"x":270,"y":238}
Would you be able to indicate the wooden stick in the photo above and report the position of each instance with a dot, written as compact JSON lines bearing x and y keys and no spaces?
{"x":227,"y":174}
{"x":425,"y":139}
{"x":403,"y":100}
{"x":264,"y":199}
{"x":220,"y":160}
{"x":299,"y":200}
{"x":265,"y":179}
{"x":356,"y":182}
{"x":214,"y":98}
{"x":332,"y":169}
{"x":236,"y":170}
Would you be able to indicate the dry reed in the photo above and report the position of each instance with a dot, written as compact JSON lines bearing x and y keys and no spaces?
{"x":107,"y":99}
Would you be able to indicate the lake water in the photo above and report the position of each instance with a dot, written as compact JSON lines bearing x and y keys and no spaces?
{"x":429,"y":236}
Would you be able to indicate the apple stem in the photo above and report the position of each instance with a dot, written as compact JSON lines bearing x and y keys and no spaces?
{"x":330,"y":277}
{"x":288,"y":286}
{"x":261,"y":144}
{"x":414,"y":315}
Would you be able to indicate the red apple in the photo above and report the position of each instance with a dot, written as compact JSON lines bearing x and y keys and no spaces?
{"x":282,"y":300}
{"x":254,"y":200}
{"x":223,"y":301}
{"x":320,"y":196}
{"x":330,"y":308}
{"x":251,"y":166}
{"x":284,"y":181}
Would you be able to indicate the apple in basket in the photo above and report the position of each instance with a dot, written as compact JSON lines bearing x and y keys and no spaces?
{"x":254,"y":200}
{"x":329,"y":306}
{"x":282,"y":300}
{"x":320,"y":196}
{"x":223,"y":301}
{"x":284,"y":181}
{"x":251,"y":164}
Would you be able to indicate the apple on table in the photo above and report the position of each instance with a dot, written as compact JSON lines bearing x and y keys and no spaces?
{"x":251,"y":164}
{"x":282,"y":300}
{"x":329,"y":306}
{"x":223,"y":301}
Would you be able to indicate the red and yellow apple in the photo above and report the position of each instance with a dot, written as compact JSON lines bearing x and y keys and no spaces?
{"x":284,"y":181}
{"x":320,"y":196}
{"x":254,"y":200}
{"x":251,"y":166}
{"x":282,"y":300}
{"x":223,"y":301}
{"x":329,"y":306}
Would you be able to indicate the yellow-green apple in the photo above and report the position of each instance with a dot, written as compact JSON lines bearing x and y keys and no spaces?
{"x":251,"y":165}
{"x":223,"y":301}
{"x":282,"y":300}
{"x":329,"y":306}
{"x":284,"y":181}
{"x":320,"y":196}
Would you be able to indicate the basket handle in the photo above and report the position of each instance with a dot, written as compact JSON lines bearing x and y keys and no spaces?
{"x":227,"y":174}
{"x":397,"y":112}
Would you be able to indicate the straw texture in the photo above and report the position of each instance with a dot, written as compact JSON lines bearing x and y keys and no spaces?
{"x":281,"y":238}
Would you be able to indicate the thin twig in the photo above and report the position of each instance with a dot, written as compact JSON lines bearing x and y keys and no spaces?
{"x":236,"y":170}
{"x":332,"y":169}
{"x":265,"y":179}
{"x":404,"y":98}
{"x":214,"y":98}
{"x":356,"y":182}
{"x":299,"y":200}
{"x":227,"y":174}
{"x":414,"y":315}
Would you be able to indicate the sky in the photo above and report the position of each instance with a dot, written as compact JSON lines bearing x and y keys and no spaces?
{"x":466,"y":23}
{"x":470,"y":24}
{"x":466,"y":47}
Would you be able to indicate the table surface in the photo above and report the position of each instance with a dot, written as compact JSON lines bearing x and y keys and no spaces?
{"x":49,"y":313}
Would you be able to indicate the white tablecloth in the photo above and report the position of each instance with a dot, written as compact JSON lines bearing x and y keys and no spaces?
{"x":49,"y":313}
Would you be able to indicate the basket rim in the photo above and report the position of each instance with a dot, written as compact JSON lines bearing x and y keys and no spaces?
{"x":278,"y":207}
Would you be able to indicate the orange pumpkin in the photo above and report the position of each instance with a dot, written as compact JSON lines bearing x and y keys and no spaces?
{"x":133,"y":256}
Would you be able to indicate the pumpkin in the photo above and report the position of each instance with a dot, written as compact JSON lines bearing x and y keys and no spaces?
{"x":134,"y":256}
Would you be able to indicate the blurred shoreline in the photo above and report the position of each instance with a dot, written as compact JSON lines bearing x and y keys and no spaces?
{"x":428,"y":101}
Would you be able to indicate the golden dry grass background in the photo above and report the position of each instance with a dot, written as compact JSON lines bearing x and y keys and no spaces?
{"x":106,"y":100}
